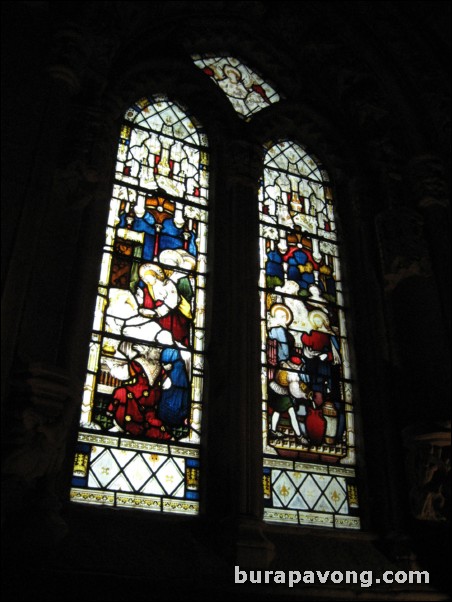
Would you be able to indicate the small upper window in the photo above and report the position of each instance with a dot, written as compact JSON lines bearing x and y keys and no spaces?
{"x":247,"y":92}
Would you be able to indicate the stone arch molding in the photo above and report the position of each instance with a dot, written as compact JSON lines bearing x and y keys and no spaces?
{"x":331,"y":77}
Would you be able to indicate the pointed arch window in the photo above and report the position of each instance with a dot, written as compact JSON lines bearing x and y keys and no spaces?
{"x":140,"y":428}
{"x":308,"y":420}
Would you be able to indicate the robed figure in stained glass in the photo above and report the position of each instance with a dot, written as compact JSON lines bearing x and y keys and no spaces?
{"x":159,"y":299}
{"x":175,"y":401}
{"x":133,"y":405}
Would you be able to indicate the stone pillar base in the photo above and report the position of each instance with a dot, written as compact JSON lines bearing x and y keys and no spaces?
{"x":249,"y":547}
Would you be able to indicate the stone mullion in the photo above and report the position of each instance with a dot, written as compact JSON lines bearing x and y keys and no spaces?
{"x":245,"y":323}
{"x":244,"y":165}
{"x":220,"y":421}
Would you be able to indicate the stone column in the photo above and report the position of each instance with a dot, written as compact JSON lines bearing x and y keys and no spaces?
{"x":419,"y":370}
{"x":418,"y":330}
{"x":427,"y":459}
{"x":376,"y":429}
{"x":37,"y":400}
{"x":37,"y":421}
{"x":430,"y":194}
{"x":32,"y":302}
{"x":236,"y":352}
{"x":428,"y":467}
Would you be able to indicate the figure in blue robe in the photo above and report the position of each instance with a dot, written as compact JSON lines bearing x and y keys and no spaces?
{"x":274,"y":270}
{"x":145,"y":224}
{"x":175,"y":401}
{"x":171,"y":237}
{"x":303,"y":278}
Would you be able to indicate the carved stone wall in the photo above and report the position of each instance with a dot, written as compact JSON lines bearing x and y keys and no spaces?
{"x":364,"y":86}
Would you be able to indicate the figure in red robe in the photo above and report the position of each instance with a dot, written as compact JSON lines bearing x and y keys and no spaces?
{"x":321,"y":352}
{"x":133,"y":405}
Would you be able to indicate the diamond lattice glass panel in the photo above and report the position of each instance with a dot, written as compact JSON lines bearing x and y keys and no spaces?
{"x":140,"y":424}
{"x":246,"y":91}
{"x":306,"y":374}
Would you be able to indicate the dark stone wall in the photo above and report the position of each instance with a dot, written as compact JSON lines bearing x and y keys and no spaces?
{"x":366,"y":89}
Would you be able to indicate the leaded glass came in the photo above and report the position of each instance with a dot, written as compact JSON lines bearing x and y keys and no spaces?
{"x":140,"y":426}
{"x":307,"y":410}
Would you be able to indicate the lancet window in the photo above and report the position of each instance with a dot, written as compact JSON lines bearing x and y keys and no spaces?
{"x":140,"y":428}
{"x":307,"y":407}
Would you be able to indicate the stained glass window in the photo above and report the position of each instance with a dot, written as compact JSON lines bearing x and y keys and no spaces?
{"x":247,"y":92}
{"x":140,"y":427}
{"x":307,"y":409}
